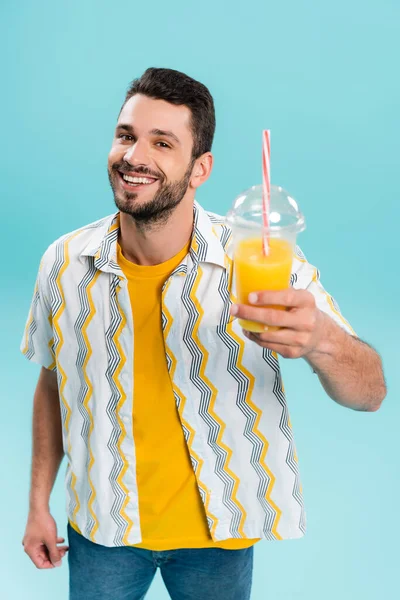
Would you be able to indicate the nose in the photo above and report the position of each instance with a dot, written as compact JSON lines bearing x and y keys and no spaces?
{"x":137,"y":154}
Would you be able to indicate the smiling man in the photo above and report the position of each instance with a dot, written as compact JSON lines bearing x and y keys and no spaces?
{"x":174,"y":423}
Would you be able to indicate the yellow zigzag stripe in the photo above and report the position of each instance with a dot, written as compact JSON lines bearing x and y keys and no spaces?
{"x":63,"y":376}
{"x":88,"y":395}
{"x":182,"y":403}
{"x":51,"y":342}
{"x":120,"y":422}
{"x":195,"y":245}
{"x":213,"y":398}
{"x":115,"y":226}
{"x":255,"y":429}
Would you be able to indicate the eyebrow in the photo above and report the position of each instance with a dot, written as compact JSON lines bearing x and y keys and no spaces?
{"x":160,"y":132}
{"x":163,"y":133}
{"x":126,"y":127}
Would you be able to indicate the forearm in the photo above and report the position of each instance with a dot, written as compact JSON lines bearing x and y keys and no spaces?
{"x":349,"y":370}
{"x":47,"y":447}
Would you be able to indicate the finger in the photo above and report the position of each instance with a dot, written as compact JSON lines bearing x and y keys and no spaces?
{"x":60,"y":540}
{"x":289,"y":297}
{"x":286,"y":337}
{"x":54,"y":552}
{"x":300,"y":319}
{"x":281,"y":349}
{"x":285,"y":351}
{"x":39,"y":556}
{"x":45,"y":562}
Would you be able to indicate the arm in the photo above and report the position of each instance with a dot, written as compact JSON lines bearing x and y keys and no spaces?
{"x":349,"y":370}
{"x":47,"y":450}
{"x":40,"y":539}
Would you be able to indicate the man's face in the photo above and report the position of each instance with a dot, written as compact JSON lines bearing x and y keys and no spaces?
{"x":150,"y":161}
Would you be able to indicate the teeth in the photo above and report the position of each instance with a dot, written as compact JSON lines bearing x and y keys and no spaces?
{"x":137,"y":179}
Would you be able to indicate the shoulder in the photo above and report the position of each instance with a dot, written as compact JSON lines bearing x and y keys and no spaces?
{"x":70,"y":246}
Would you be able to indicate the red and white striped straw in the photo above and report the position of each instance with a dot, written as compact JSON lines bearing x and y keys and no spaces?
{"x":266,"y":188}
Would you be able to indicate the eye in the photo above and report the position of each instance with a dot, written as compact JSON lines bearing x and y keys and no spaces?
{"x":125,"y":137}
{"x":163,"y":145}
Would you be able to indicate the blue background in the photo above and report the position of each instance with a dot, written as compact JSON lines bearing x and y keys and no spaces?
{"x":323,"y":76}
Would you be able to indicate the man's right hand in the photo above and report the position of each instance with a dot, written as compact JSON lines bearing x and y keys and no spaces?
{"x":40,"y":541}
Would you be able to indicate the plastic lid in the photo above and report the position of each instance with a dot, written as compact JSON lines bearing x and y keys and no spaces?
{"x":284,"y":212}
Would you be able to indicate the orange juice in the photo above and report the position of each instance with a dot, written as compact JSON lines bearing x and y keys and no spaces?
{"x":255,"y":272}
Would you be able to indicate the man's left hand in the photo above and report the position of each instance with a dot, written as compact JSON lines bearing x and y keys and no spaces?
{"x":301,"y":323}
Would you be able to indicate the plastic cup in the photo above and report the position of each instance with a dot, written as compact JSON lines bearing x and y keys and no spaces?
{"x":254,"y":271}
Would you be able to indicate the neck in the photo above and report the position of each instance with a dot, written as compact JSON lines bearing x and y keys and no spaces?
{"x":157,"y":243}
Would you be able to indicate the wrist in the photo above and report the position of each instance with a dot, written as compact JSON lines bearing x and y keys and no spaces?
{"x":39,"y":505}
{"x":329,"y":340}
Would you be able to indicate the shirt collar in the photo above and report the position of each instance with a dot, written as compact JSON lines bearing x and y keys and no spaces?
{"x":205,"y":247}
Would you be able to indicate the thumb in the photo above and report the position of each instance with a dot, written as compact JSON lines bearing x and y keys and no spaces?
{"x":54,"y":552}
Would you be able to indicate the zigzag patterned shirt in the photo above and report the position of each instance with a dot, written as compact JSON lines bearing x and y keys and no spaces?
{"x":228,"y":390}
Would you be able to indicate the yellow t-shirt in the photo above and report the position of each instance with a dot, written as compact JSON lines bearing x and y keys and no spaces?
{"x":171,"y":511}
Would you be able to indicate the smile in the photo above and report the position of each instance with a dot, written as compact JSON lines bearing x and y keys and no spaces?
{"x":136,"y":181}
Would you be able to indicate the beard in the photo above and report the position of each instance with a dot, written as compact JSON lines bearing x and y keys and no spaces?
{"x":160,"y":207}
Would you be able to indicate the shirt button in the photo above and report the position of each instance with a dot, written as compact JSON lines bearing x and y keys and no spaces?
{"x":126,"y":419}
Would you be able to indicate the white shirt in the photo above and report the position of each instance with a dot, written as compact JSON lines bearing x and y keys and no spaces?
{"x":228,"y":390}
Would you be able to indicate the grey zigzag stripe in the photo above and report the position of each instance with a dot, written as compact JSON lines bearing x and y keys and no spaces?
{"x":84,"y":388}
{"x":205,"y":396}
{"x":56,"y":302}
{"x":164,"y":323}
{"x":226,"y":235}
{"x":287,"y":432}
{"x":182,"y":268}
{"x":178,"y":400}
{"x":107,"y":244}
{"x":115,"y":266}
{"x":186,"y":432}
{"x":335,"y":304}
{"x":33,"y":325}
{"x":225,"y":232}
{"x":251,"y":416}
{"x":201,"y":252}
{"x":113,"y":363}
{"x":179,"y":269}
{"x":299,"y":253}
{"x":216,"y":219}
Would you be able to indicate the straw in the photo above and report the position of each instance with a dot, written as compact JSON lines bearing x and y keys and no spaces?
{"x":266,"y":195}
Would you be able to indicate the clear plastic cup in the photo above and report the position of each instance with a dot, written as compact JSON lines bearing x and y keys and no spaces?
{"x":254,"y":271}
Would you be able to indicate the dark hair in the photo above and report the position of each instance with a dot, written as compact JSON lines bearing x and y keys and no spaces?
{"x":180,"y":89}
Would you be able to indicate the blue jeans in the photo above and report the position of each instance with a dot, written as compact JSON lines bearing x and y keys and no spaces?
{"x":125,"y":573}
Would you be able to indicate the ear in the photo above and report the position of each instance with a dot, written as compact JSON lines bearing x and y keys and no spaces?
{"x":201,"y":170}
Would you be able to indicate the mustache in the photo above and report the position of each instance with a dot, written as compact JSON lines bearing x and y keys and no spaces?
{"x":125,"y":167}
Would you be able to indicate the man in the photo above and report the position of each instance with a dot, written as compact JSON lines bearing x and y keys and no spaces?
{"x":174,"y":422}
